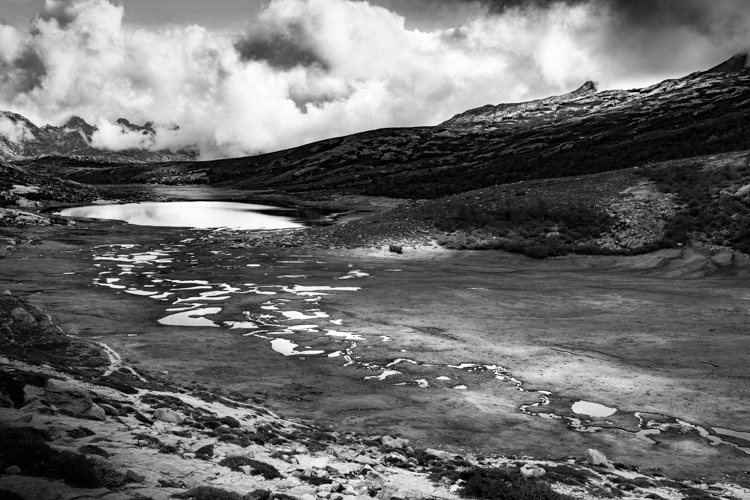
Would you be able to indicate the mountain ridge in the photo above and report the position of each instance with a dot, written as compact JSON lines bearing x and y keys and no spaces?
{"x":20,"y":139}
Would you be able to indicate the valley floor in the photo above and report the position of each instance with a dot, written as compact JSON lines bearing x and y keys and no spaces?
{"x":476,"y":352}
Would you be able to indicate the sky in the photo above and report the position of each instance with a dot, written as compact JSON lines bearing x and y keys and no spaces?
{"x":241,"y":77}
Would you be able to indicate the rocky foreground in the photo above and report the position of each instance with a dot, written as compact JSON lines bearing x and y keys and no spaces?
{"x":76,"y":422}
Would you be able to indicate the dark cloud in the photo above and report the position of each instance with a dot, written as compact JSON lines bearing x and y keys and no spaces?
{"x":30,"y":72}
{"x":701,"y":15}
{"x":282,"y":50}
{"x":58,"y":10}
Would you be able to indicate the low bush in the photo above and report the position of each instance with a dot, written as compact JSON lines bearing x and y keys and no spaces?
{"x":709,"y":210}
{"x":534,"y":229}
{"x":235,"y":463}
{"x":208,"y":493}
{"x":500,"y":484}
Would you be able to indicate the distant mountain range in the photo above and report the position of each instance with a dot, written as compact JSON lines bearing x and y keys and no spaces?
{"x":20,"y":139}
{"x":582,"y":132}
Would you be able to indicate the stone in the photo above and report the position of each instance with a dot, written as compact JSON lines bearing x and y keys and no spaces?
{"x":744,"y":190}
{"x":7,"y":292}
{"x":133,"y":477}
{"x":532,"y":471}
{"x":22,"y":316}
{"x":375,"y":477}
{"x":96,"y":412}
{"x":392,"y":442}
{"x":169,"y":416}
{"x":72,"y":399}
{"x":443,"y":455}
{"x":364,"y":459}
{"x":204,"y":452}
{"x":595,"y":457}
{"x":13,"y":469}
{"x":410,"y":486}
{"x":109,"y":409}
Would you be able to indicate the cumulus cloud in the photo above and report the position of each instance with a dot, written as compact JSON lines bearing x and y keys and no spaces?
{"x":311,"y":69}
{"x":14,"y":131}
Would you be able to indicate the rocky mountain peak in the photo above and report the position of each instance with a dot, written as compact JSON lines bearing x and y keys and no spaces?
{"x":587,"y":88}
{"x":76,"y":122}
{"x":74,"y":139}
{"x":735,"y":64}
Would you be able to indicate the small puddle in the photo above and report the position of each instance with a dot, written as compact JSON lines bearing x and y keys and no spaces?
{"x":592,"y":409}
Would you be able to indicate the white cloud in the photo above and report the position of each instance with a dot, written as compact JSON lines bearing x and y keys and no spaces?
{"x":360,"y":68}
{"x":14,"y":132}
{"x":11,"y":43}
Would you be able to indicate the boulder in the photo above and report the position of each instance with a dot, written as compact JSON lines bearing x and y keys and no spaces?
{"x":595,"y":457}
{"x":531,"y":471}
{"x":169,"y":416}
{"x":72,"y":399}
{"x":22,"y":316}
{"x":393,"y":442}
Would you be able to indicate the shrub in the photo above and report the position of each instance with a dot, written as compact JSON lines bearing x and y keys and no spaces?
{"x":235,"y":463}
{"x":506,"y":484}
{"x":208,"y":493}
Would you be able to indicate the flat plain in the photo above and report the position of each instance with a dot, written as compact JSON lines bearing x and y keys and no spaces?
{"x":479,"y":352}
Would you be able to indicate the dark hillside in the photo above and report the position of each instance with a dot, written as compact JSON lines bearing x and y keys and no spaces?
{"x":580,"y":133}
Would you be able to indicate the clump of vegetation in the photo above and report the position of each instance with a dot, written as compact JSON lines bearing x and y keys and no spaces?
{"x":27,"y":449}
{"x":711,"y":210}
{"x":236,"y":463}
{"x":568,"y":475}
{"x":534,"y":229}
{"x":501,"y":484}
{"x":208,"y":493}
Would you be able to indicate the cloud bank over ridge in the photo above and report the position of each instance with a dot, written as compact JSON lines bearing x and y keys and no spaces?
{"x":311,"y":69}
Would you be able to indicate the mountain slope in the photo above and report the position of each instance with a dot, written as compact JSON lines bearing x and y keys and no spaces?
{"x":583,"y":132}
{"x":20,"y":139}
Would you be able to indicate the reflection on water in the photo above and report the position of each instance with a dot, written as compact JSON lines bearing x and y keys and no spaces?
{"x":199,"y":214}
